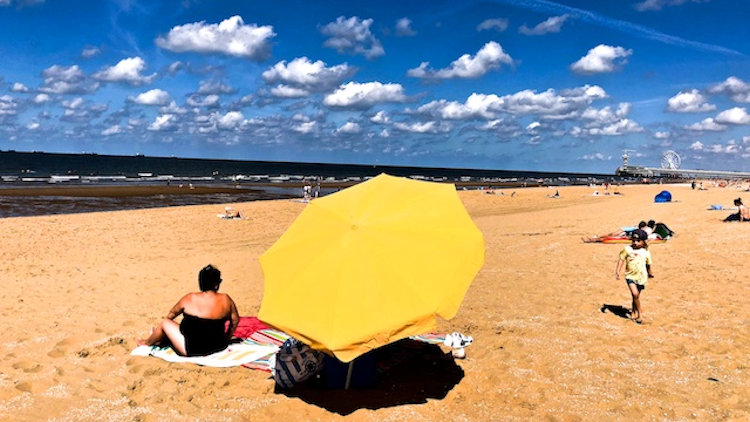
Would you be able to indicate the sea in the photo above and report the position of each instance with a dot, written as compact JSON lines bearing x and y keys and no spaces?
{"x":249,"y":180}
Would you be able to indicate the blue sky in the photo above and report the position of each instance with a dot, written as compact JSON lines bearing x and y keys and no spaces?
{"x":502,"y":84}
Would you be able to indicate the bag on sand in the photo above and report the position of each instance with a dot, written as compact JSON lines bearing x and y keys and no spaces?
{"x":295,"y":363}
{"x":663,"y":231}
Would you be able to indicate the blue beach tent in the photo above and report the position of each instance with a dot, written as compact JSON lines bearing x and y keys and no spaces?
{"x":663,"y":196}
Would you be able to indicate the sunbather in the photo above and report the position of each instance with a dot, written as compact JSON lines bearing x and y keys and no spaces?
{"x":621,"y":232}
{"x":203,"y":328}
{"x":742,"y":214}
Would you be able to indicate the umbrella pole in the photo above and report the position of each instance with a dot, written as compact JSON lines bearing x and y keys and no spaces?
{"x":349,"y":375}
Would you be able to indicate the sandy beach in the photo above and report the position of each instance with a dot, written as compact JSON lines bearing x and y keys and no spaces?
{"x":80,"y":288}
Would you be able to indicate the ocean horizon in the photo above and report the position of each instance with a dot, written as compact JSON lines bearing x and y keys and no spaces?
{"x":61,"y":183}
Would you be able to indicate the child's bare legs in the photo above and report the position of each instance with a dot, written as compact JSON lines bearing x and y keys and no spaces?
{"x":636,"y":311}
{"x":167,"y":329}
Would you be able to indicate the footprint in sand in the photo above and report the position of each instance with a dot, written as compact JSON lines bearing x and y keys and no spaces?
{"x":28,"y":367}
{"x":23,"y":386}
{"x":60,"y":348}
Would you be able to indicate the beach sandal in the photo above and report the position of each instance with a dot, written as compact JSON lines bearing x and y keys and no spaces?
{"x":457,"y":340}
{"x":638,"y":321}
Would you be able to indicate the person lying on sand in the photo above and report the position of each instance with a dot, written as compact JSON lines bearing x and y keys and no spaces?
{"x":621,"y":232}
{"x":230,"y":213}
{"x":203,"y":328}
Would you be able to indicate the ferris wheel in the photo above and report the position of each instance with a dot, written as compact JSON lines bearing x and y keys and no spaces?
{"x":670,"y":160}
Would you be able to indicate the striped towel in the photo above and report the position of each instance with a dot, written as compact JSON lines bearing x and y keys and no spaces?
{"x":430,"y":338}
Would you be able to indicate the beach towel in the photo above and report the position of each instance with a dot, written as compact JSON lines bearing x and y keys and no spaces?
{"x":258,"y":344}
{"x":257,"y":350}
{"x":235,"y":354}
{"x":624,"y":239}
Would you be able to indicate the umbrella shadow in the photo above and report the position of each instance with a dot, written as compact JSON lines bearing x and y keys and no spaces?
{"x":407,"y":372}
{"x":618,"y":310}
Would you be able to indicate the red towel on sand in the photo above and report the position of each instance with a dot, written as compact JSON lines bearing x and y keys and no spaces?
{"x":247,"y":326}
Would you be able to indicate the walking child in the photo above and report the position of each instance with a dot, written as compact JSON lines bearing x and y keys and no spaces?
{"x":636,"y":260}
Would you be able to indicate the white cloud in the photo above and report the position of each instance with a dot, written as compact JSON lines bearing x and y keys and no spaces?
{"x":497,"y":24}
{"x":551,"y":25}
{"x":172,"y":108}
{"x":662,"y":135}
{"x":689,"y":101}
{"x":8,"y":106}
{"x":404,"y":29}
{"x":19,"y":87}
{"x":33,"y":126}
{"x":152,"y":97}
{"x":230,"y":121}
{"x":90,"y":52}
{"x":286,"y":91}
{"x":352,"y":36}
{"x":708,"y":124}
{"x":365,"y":95}
{"x":696,"y":146}
{"x":601,"y":59}
{"x":381,"y":118}
{"x":302,"y":76}
{"x":349,"y":128}
{"x":214,"y":87}
{"x":231,"y":37}
{"x":112,"y":130}
{"x":305,"y":127}
{"x":163,"y":122}
{"x":734,"y":116}
{"x":648,"y":5}
{"x":66,"y":80}
{"x":422,"y":127}
{"x":489,"y":57}
{"x":548,"y":104}
{"x":533,"y":126}
{"x":736,"y":88}
{"x":207,"y":101}
{"x":617,"y":128}
{"x":75,"y":103}
{"x":606,"y":115}
{"x":596,"y":157}
{"x":41,"y":99}
{"x":126,"y":71}
{"x":175,"y":67}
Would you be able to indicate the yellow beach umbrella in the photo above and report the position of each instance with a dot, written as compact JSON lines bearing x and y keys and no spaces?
{"x":370,"y":265}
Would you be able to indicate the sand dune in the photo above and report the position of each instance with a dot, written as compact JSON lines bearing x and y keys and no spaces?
{"x":78,"y":289}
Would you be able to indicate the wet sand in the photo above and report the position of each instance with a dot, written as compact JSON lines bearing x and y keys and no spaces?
{"x":79,"y":288}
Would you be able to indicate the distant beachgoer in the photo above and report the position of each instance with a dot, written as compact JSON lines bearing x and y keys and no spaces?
{"x":230,"y":213}
{"x":306,"y":190}
{"x":743,"y":214}
{"x":556,"y":195}
{"x":316,"y":189}
{"x":649,"y":229}
{"x":205,"y":314}
{"x":636,"y":260}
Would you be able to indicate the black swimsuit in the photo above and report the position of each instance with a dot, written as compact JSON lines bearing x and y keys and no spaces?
{"x":203,"y":336}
